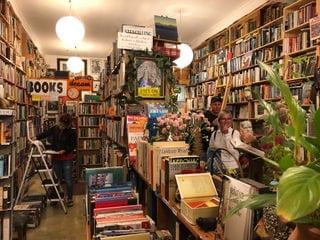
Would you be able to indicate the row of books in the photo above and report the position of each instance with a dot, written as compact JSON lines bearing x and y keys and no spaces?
{"x":88,"y":159}
{"x":114,"y":155}
{"x":301,"y":16}
{"x":149,"y":158}
{"x":89,"y":121}
{"x":91,"y":109}
{"x":89,"y":144}
{"x":113,"y":206}
{"x":89,"y":132}
{"x":5,"y":200}
{"x":6,"y":131}
{"x":299,"y":42}
{"x":7,"y":71}
{"x":271,"y":13}
{"x":5,"y":165}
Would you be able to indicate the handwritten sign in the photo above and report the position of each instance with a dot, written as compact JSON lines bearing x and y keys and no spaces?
{"x":83,"y":84}
{"x":135,"y":38}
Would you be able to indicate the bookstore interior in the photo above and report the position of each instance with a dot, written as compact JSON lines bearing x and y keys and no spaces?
{"x":166,"y":141}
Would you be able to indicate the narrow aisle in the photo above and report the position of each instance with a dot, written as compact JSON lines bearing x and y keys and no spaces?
{"x":55,"y":224}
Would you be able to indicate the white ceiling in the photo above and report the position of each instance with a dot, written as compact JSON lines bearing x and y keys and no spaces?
{"x":103,"y":18}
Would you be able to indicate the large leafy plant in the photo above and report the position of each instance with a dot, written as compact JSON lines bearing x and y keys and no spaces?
{"x":297,"y":196}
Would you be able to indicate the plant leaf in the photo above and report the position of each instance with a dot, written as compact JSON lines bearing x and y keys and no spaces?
{"x":316,"y":124}
{"x":286,"y":162}
{"x":298,"y":193}
{"x":297,"y":113}
{"x":253,"y":202}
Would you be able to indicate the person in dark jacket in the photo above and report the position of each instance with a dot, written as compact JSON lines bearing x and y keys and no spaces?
{"x":64,"y":140}
{"x":211,"y":114}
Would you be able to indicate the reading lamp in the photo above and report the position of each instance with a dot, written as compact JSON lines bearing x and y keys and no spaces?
{"x":70,"y":29}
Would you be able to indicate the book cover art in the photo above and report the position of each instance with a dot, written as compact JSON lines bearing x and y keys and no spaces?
{"x":104,"y":177}
{"x":154,"y":110}
{"x":136,"y":125}
{"x":166,"y":28}
{"x":239,"y":226}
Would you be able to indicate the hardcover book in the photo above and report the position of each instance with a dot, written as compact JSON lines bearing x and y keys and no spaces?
{"x":176,"y":165}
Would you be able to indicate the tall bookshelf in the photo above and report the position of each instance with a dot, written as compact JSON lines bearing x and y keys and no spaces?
{"x":226,"y":63}
{"x":19,"y":60}
{"x":89,"y":133}
{"x":7,"y":169}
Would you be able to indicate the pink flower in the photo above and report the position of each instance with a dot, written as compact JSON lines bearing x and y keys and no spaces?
{"x":164,"y":131}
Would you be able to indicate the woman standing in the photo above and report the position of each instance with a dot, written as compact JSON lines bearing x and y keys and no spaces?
{"x":64,"y":140}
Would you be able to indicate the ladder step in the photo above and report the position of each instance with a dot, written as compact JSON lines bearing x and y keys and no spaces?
{"x":44,"y":169}
{"x":48,"y":182}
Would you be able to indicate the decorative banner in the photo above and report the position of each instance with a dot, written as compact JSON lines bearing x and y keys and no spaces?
{"x":47,"y":87}
{"x":135,"y":38}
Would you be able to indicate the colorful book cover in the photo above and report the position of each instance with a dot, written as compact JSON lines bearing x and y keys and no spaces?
{"x":154,"y":110}
{"x":136,"y":125}
{"x":104,"y":177}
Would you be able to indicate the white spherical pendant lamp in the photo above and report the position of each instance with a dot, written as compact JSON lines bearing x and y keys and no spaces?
{"x":75,"y":64}
{"x":186,"y":56}
{"x":70,"y":30}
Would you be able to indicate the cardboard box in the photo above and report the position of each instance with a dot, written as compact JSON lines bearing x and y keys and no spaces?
{"x":199,"y":196}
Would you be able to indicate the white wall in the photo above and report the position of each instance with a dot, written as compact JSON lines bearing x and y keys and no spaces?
{"x":51,"y":61}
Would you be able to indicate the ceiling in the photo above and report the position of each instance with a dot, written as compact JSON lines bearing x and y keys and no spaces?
{"x":196,"y":20}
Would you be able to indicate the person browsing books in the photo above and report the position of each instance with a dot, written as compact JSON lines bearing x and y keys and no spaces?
{"x":63,"y":142}
{"x":251,"y":164}
{"x":211,"y":114}
{"x":222,"y":156}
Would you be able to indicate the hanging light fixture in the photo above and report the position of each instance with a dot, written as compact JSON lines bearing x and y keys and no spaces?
{"x":70,"y":29}
{"x":186,"y":53}
{"x":186,"y":56}
{"x":75,"y":64}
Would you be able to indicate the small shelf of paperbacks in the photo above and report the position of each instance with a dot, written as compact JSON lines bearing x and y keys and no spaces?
{"x":226,"y":63}
{"x":89,"y":135}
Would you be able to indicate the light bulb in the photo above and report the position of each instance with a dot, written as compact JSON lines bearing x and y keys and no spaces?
{"x":186,"y":56}
{"x":75,"y":64}
{"x":70,"y":30}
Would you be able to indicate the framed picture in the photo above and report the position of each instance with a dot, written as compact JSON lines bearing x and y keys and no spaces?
{"x":62,"y":66}
{"x":95,"y":86}
{"x":52,"y":106}
{"x":95,"y":66}
{"x":149,"y":82}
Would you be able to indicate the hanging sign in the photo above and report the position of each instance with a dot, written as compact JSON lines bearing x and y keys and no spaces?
{"x":135,"y":38}
{"x":81,"y":83}
{"x":46,"y":87}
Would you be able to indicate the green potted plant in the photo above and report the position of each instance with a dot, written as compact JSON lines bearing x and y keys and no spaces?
{"x":297,"y":195}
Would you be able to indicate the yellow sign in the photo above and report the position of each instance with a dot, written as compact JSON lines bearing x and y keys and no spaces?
{"x":149,"y":92}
